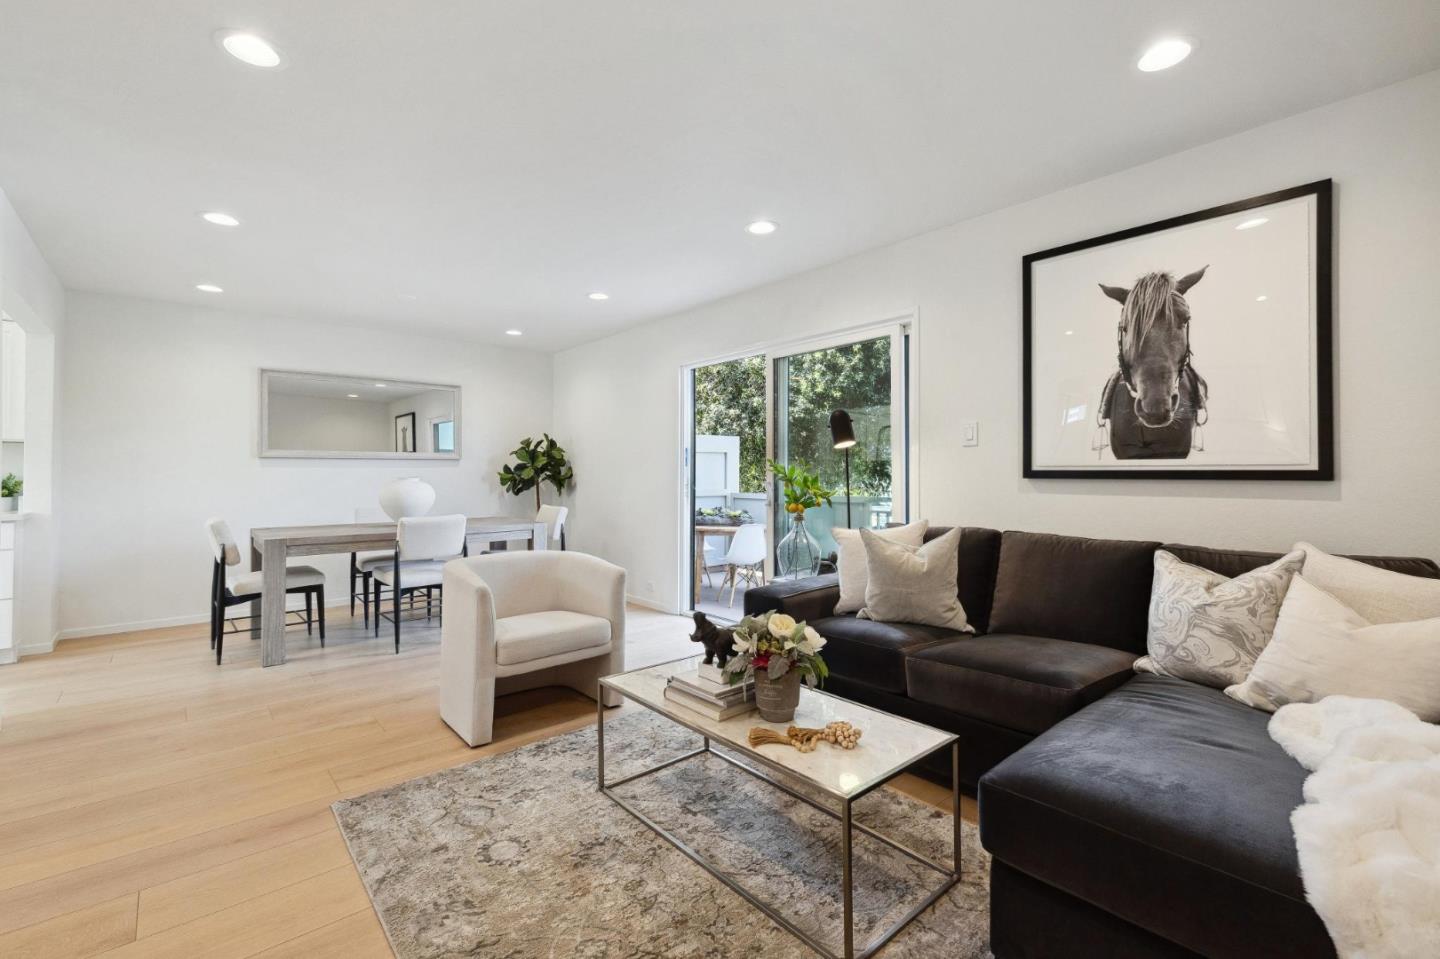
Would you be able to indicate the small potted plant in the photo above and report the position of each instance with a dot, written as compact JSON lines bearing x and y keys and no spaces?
{"x":11,"y":487}
{"x":778,"y":653}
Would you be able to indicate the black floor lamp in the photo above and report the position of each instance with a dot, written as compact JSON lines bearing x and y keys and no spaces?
{"x":842,"y":434}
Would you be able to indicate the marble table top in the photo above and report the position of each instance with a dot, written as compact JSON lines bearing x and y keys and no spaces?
{"x":887,"y":745}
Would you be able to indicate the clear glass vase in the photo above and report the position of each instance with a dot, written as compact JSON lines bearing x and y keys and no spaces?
{"x":798,"y":553}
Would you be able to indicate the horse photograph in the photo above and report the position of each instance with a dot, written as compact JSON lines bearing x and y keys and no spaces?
{"x":1195,"y":347}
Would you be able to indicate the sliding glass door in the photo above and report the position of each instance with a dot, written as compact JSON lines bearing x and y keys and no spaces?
{"x":865,"y":379}
{"x":741,"y":412}
{"x":726,"y":539}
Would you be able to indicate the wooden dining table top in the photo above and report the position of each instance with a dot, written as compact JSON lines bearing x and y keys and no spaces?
{"x":340,"y":533}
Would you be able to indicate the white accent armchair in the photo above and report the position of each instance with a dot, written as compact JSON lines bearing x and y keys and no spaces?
{"x":521,"y":620}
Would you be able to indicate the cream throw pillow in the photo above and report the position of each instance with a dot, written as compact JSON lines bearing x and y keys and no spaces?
{"x":1208,"y":628}
{"x":851,"y":564}
{"x":914,"y":584}
{"x":1379,"y":595}
{"x":1322,"y":647}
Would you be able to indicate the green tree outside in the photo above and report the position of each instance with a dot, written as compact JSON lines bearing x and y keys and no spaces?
{"x":730,"y":401}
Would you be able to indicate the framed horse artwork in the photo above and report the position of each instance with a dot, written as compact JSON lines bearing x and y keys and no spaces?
{"x":1198,"y":347}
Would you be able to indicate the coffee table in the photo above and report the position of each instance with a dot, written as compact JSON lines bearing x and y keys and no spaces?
{"x":888,"y":746}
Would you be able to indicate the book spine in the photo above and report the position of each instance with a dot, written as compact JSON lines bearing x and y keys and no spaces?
{"x":699,"y":706}
{"x":736,"y":694}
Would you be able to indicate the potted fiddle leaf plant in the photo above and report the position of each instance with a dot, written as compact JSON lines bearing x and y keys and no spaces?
{"x":537,"y":463}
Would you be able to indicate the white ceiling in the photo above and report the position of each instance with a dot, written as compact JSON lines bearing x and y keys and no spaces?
{"x":465,"y":167}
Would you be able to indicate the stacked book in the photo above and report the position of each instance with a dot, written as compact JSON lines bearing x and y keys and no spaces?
{"x":705,"y":691}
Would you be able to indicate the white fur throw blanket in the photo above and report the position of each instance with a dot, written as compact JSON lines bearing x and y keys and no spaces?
{"x":1369,"y":832}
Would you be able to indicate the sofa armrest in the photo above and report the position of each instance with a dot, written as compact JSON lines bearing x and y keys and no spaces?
{"x":806,"y":599}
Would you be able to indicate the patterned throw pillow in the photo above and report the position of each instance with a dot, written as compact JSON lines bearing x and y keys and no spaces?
{"x":1208,"y":628}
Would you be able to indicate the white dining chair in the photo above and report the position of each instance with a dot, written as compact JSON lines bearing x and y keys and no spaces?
{"x":554,"y":519}
{"x":247,"y":587}
{"x":363,"y":564}
{"x":745,"y":558}
{"x":423,"y":545}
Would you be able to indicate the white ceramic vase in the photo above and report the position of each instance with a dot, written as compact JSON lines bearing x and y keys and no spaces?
{"x":410,"y":496}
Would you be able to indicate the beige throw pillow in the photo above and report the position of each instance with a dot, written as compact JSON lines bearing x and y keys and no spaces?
{"x":914,"y":584}
{"x":1379,"y":595}
{"x":854,"y":570}
{"x":1322,"y":647}
{"x":1208,"y":628}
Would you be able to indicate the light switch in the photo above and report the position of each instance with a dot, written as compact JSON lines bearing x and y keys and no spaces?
{"x":970,"y":434}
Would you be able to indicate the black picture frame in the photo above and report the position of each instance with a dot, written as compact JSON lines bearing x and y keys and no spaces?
{"x":400,"y":433}
{"x":1324,"y":470}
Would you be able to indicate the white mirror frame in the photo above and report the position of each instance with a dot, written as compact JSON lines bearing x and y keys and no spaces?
{"x":267,"y":453}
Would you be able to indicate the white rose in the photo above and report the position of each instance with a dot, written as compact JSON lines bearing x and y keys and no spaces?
{"x":813,"y":642}
{"x":781,"y":626}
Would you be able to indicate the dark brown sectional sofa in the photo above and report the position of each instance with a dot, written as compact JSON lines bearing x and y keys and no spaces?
{"x":1125,"y":815}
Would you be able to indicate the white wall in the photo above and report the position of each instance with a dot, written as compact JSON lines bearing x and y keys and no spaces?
{"x":160,"y":432}
{"x":31,"y":295}
{"x":617,"y":401}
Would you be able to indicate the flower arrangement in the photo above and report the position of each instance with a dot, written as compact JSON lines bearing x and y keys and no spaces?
{"x":773,"y":644}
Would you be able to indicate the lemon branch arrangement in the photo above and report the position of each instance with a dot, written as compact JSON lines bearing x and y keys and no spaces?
{"x":802,"y":488}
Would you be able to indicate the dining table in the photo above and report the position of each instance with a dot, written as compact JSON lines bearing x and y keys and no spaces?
{"x":272,"y":546}
{"x":702,"y":531}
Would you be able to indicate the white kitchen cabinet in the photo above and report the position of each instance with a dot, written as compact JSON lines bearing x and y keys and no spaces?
{"x":9,"y":542}
{"x":12,"y":382}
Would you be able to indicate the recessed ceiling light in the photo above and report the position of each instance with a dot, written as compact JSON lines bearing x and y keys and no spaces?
{"x":380,"y":385}
{"x":760,"y":228}
{"x":1069,"y":332}
{"x":1261,"y":298}
{"x":219,"y":219}
{"x":1164,"y":55}
{"x":599,"y":296}
{"x":514,"y":333}
{"x":208,"y":288}
{"x":352,"y":396}
{"x":1252,"y":223}
{"x":249,"y":48}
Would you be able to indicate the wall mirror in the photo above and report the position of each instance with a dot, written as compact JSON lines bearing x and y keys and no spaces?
{"x":323,"y":415}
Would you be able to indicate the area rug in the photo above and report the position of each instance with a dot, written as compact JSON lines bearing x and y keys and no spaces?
{"x":520,"y":856}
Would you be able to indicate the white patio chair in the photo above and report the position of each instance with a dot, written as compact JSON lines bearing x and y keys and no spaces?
{"x":745,"y":558}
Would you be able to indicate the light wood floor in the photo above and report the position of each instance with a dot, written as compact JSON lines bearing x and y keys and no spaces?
{"x":152,"y":804}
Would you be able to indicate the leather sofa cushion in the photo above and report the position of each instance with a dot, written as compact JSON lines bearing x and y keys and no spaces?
{"x":532,"y":636}
{"x":1168,"y":805}
{"x":874,"y":653}
{"x":1068,"y":587}
{"x":809,"y":599}
{"x":1234,"y":562}
{"x":975,"y":580}
{"x":1025,"y":683}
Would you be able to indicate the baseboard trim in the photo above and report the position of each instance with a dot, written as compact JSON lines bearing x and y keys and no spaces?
{"x":109,"y":629}
{"x":8,"y":656}
{"x":654,"y":604}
